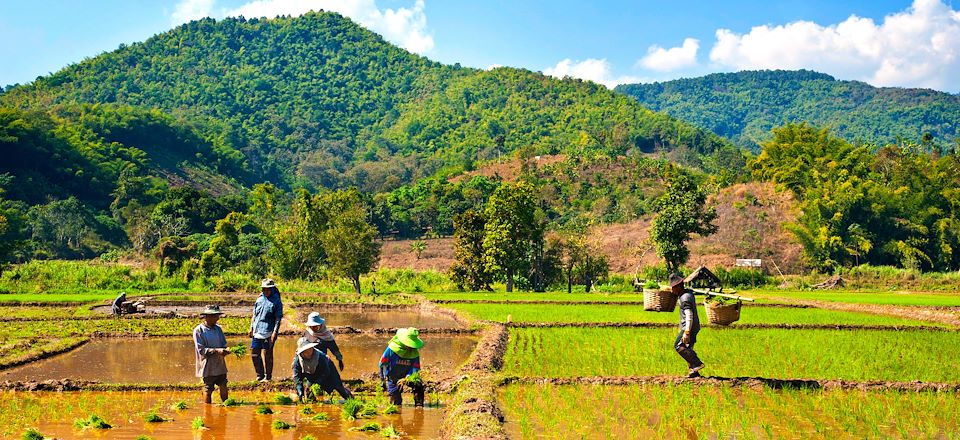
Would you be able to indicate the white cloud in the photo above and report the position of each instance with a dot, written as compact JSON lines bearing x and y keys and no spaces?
{"x":917,"y":47}
{"x":188,"y":10}
{"x":598,"y":71}
{"x":666,"y":60}
{"x":406,"y":27}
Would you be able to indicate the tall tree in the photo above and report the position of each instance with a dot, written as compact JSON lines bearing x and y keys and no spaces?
{"x":681,"y":211}
{"x":349,"y":240}
{"x":510,"y":229}
{"x":297,"y":250}
{"x":469,"y":268}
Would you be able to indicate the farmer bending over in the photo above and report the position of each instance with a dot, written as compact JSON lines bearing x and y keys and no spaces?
{"x":400,"y":360}
{"x":689,"y":326}
{"x":118,"y":303}
{"x":310,"y":366}
{"x":265,"y":328}
{"x":211,"y":347}
{"x":318,"y":332}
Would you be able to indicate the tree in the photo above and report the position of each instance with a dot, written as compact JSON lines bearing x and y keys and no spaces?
{"x":298,"y":250}
{"x":509,"y":230}
{"x":592,"y":268}
{"x":349,"y":240}
{"x":227,"y":236}
{"x":417,"y":247}
{"x":681,"y":211}
{"x":469,"y":268}
{"x":13,"y":228}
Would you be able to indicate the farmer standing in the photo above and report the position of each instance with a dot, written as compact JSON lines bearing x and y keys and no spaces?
{"x":399,"y":361}
{"x":318,"y":332}
{"x":689,"y":326}
{"x":310,"y":366}
{"x":265,"y":328}
{"x":210,"y":346}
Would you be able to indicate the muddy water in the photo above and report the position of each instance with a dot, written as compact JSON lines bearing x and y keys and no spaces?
{"x":53,"y":415}
{"x":381,"y":319}
{"x":171,"y":360}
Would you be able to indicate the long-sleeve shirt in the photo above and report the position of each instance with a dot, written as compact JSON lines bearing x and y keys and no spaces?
{"x":324,"y":375}
{"x":118,"y":303}
{"x":267,"y":313}
{"x":393,"y":367}
{"x":689,"y":321}
{"x":206,"y":341}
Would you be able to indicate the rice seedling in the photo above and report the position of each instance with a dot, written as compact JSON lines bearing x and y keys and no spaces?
{"x":391,"y":409}
{"x":232,"y":402}
{"x":306,"y":411}
{"x":390,"y":431}
{"x":263,"y":409}
{"x":368,"y":427}
{"x":280,"y":424}
{"x":143,"y":437}
{"x":32,"y":434}
{"x":239,"y":350}
{"x":92,"y":422}
{"x":315,"y":391}
{"x":320,"y":417}
{"x":282,"y":399}
{"x":308,"y":437}
{"x":153,"y":417}
{"x":351,"y":409}
{"x":198,"y":424}
{"x":415,"y":379}
{"x":771,"y":353}
{"x":179,"y":406}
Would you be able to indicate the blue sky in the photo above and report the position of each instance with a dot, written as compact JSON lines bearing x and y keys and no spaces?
{"x":885,"y":43}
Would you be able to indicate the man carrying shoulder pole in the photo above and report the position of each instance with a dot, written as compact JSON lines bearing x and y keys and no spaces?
{"x":689,"y":326}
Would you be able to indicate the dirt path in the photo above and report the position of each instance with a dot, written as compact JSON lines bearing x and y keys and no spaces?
{"x":933,"y":314}
{"x":475,"y":413}
{"x":746,"y":382}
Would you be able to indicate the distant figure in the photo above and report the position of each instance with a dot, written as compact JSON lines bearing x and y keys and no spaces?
{"x":400,"y":360}
{"x":265,"y":328}
{"x":318,"y":332}
{"x":689,"y":326}
{"x":118,"y":303}
{"x":310,"y":367}
{"x":211,"y":347}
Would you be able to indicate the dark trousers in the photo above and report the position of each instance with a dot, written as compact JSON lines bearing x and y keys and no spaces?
{"x":686,"y":350}
{"x":262,"y":356}
{"x":396,"y":396}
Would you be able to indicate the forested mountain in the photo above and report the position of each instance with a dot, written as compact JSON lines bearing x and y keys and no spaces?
{"x":321,"y":101}
{"x":745,"y":106}
{"x":163,"y":138}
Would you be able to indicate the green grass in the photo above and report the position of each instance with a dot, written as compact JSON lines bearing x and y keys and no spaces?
{"x":631,"y":313}
{"x":15,"y":349}
{"x":79,"y":298}
{"x":808,"y":354}
{"x":889,"y":298}
{"x":44,"y":312}
{"x":586,"y":411}
{"x":529,"y":296}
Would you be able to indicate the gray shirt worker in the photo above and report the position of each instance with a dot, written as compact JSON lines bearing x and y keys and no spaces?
{"x":689,"y":321}
{"x":206,"y":340}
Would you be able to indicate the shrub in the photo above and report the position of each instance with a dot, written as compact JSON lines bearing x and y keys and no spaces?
{"x":263,"y":409}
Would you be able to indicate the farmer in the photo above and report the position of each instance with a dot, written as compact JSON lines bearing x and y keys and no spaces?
{"x":118,"y":303}
{"x":310,"y":367}
{"x":399,"y":361}
{"x":318,"y":332}
{"x":265,"y":328}
{"x":689,"y":326}
{"x":211,"y":347}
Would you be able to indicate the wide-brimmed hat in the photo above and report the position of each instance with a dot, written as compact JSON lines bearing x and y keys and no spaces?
{"x":304,"y":345}
{"x":675,"y":279}
{"x":267,"y":282}
{"x":212,"y":309}
{"x":409,"y":337}
{"x":314,"y":319}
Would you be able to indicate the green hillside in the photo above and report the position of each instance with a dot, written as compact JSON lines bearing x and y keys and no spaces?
{"x":745,"y":106}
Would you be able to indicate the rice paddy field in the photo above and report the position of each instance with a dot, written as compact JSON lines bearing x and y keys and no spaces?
{"x":837,"y":364}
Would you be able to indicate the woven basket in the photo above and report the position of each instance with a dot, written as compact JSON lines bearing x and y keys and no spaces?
{"x":722,"y":314}
{"x":662,"y":300}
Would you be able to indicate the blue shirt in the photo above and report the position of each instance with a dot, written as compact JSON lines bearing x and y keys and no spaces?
{"x":267,"y":313}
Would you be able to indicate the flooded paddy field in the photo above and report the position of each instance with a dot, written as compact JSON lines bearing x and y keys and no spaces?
{"x":53,"y":414}
{"x":171,"y":360}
